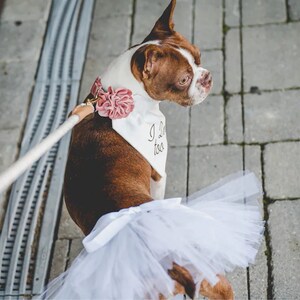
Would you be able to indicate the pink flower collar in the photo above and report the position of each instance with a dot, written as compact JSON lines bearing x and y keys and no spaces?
{"x":114,"y":104}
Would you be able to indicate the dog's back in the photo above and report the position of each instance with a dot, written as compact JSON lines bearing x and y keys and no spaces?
{"x":103,"y":174}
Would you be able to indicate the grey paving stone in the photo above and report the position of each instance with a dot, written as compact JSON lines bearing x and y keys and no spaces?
{"x":60,"y":257}
{"x":144,"y":22}
{"x":269,"y":64}
{"x":272,"y":116}
{"x":67,"y":228}
{"x":108,"y":9}
{"x":238,"y":280}
{"x":253,"y":164}
{"x":294,"y":9}
{"x":75,"y":249}
{"x":263,"y":11}
{"x":233,"y":61}
{"x":213,"y":61}
{"x":258,"y":272}
{"x":177,"y":172}
{"x":208,"y":24}
{"x":284,"y":228}
{"x":177,"y":118}
{"x":28,"y":10}
{"x":232,"y":13}
{"x":207,"y":122}
{"x":183,"y":18}
{"x":9,"y":140}
{"x":16,"y":82}
{"x":234,"y":124}
{"x":253,"y":160}
{"x":258,"y":275}
{"x":282,"y":170}
{"x":92,"y":69}
{"x":22,"y":42}
{"x":210,"y":163}
{"x":109,"y":37}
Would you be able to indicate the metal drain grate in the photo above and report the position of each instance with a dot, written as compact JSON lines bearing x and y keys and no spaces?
{"x":28,"y":231}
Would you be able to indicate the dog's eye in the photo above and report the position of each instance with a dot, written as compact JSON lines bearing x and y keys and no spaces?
{"x":184,"y":80}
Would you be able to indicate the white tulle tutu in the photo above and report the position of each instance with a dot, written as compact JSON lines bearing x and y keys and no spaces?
{"x":128,"y":253}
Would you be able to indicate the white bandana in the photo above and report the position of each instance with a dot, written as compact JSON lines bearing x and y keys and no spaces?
{"x":145,"y":129}
{"x":145,"y":126}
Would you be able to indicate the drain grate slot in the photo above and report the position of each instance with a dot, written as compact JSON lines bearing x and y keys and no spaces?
{"x":27,"y":235}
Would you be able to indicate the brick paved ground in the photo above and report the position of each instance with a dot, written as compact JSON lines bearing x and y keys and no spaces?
{"x":22,"y":28}
{"x":251,"y":120}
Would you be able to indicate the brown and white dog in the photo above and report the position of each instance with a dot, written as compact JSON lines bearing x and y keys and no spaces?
{"x":104,"y":172}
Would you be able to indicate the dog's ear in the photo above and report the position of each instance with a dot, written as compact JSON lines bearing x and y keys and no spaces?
{"x":164,"y":26}
{"x":146,"y":61}
{"x":153,"y":55}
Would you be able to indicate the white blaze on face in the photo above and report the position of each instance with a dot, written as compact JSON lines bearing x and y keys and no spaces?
{"x":196,"y":92}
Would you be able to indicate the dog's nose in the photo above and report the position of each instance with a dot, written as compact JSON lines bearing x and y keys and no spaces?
{"x":205,"y":79}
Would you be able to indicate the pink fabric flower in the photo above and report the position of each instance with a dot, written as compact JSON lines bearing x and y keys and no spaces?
{"x":116,"y":104}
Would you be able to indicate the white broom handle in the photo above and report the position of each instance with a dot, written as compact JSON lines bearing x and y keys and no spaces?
{"x":21,"y":165}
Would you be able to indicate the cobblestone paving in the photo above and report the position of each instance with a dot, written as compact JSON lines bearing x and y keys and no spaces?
{"x":251,"y":120}
{"x":22,"y":28}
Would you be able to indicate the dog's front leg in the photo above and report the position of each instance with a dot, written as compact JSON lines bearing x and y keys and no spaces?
{"x":157,"y":185}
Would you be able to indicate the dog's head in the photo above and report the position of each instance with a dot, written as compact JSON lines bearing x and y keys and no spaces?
{"x":169,"y":66}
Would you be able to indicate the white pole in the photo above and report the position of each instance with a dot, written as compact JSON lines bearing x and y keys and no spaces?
{"x":20,"y":166}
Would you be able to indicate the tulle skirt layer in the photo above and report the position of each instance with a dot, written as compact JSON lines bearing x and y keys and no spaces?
{"x":129,"y":253}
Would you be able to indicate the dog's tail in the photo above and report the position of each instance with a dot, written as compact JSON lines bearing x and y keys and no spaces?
{"x":182,"y":276}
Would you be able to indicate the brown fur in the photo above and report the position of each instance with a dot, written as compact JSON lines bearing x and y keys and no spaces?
{"x":184,"y":278}
{"x":104,"y":173}
{"x":222,"y":290}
